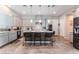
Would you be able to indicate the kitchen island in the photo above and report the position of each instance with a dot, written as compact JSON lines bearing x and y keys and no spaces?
{"x":38,"y":37}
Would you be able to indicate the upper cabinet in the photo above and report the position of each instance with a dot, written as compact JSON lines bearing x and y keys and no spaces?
{"x":3,"y":19}
{"x":9,"y":21}
{"x":6,"y":20}
{"x":16,"y":21}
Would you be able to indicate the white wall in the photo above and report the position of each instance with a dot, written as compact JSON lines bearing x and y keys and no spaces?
{"x":63,"y":25}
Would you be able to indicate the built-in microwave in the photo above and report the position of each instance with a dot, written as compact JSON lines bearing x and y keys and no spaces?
{"x":76,"y":29}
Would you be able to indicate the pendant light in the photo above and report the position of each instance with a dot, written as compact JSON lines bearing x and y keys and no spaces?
{"x":40,"y":13}
{"x":48,"y":21}
{"x":31,"y":21}
{"x":54,"y":12}
{"x":31,"y":13}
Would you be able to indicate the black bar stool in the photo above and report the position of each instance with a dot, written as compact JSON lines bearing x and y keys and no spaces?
{"x":33,"y":39}
{"x":48,"y":39}
{"x":53,"y":36}
{"x":28,"y":38}
{"x":42,"y":38}
{"x":37,"y":38}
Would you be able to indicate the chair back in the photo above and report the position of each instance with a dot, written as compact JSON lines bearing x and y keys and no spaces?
{"x":37,"y":34}
{"x":48,"y":34}
{"x":28,"y":34}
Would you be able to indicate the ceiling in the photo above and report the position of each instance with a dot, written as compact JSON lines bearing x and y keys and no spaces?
{"x":53,"y":10}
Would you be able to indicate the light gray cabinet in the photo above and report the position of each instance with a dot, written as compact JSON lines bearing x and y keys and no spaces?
{"x":12,"y":35}
{"x":6,"y":37}
{"x":3,"y":39}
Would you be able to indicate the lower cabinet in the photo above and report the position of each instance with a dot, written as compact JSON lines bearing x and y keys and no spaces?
{"x":7,"y":37}
{"x":12,"y":36}
{"x":3,"y":40}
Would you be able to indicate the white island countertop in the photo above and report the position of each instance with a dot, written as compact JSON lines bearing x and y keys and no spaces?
{"x":38,"y":31}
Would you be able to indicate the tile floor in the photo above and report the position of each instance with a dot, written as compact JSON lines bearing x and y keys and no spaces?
{"x":61,"y":46}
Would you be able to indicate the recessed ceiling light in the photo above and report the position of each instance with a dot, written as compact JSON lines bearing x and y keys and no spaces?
{"x":48,"y":21}
{"x":54,"y":12}
{"x":24,"y":12}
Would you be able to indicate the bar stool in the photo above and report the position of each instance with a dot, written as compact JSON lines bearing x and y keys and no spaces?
{"x":48,"y":39}
{"x":33,"y":40}
{"x":53,"y":36}
{"x":28,"y":38}
{"x":42,"y":38}
{"x":37,"y":38}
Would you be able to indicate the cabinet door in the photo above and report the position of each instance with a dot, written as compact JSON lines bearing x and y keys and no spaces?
{"x":3,"y":40}
{"x":2,"y":19}
{"x":15,"y":21}
{"x":9,"y":21}
{"x":5,"y":20}
{"x":12,"y":36}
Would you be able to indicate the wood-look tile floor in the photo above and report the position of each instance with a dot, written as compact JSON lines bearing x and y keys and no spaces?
{"x":60,"y":46}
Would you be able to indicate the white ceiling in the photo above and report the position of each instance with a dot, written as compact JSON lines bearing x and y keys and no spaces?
{"x":43,"y":10}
